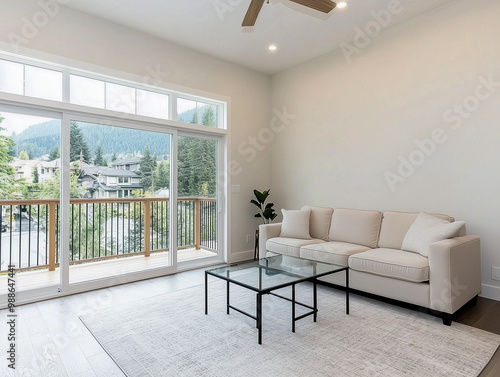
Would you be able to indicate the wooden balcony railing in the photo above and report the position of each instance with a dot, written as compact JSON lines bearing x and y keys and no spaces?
{"x":101,"y":229}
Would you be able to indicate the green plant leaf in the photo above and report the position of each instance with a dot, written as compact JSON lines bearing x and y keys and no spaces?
{"x":253,"y":201}
{"x":261,"y":197}
{"x":268,"y":213}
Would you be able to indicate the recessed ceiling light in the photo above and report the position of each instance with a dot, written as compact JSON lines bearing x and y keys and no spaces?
{"x":272,"y":47}
{"x":341,"y":4}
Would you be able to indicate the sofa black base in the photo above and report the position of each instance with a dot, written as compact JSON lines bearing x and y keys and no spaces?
{"x":446,"y":317}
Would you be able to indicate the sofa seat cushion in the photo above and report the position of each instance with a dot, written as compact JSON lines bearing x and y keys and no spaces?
{"x":331,"y":252}
{"x":289,"y":246}
{"x":392,"y":263}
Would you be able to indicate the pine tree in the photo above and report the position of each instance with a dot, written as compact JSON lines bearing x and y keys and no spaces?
{"x":197,"y":167}
{"x":6,"y":171}
{"x":162,"y":175}
{"x":23,"y":155}
{"x":208,"y":118}
{"x":78,"y":146}
{"x":54,"y":153}
{"x":34,"y":174}
{"x":99,"y":158}
{"x":147,"y":169}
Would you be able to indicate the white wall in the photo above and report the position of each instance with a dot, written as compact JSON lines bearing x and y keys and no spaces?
{"x":91,"y":42}
{"x":354,"y":120}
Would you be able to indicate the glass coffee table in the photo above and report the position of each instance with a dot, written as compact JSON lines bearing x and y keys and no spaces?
{"x":268,"y":274}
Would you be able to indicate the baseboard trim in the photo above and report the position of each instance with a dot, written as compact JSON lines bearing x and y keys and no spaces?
{"x":490,"y":291}
{"x":240,"y":256}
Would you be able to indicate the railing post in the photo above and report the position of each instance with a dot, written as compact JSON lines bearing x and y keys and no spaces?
{"x":147,"y":228}
{"x":197,"y":223}
{"x":52,"y":235}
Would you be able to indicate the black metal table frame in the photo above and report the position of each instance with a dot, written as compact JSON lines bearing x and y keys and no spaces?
{"x":260,"y":292}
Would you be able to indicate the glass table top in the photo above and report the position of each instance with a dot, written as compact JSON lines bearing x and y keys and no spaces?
{"x":274,"y":272}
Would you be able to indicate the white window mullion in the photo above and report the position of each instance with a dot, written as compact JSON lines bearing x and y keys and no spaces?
{"x":66,"y":87}
{"x":64,"y":206}
{"x":173,"y":200}
{"x":173,"y":107}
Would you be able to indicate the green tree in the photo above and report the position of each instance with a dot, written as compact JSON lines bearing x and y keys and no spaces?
{"x":194,"y":120}
{"x":114,"y":157}
{"x":99,"y":157}
{"x":32,"y":191}
{"x":51,"y":189}
{"x":23,"y":155}
{"x":34,"y":174}
{"x":162,"y":175}
{"x":197,"y":167}
{"x":208,"y":118}
{"x":54,"y":153}
{"x":147,"y":169}
{"x":78,"y":145}
{"x":6,"y":171}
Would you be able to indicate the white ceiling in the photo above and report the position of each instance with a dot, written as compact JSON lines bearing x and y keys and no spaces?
{"x":214,"y":26}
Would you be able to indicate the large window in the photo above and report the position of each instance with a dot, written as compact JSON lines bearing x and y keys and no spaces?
{"x":107,"y":93}
{"x":30,"y":81}
{"x":86,"y":200}
{"x":196,"y":112}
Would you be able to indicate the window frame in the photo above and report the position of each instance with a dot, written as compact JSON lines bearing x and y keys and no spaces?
{"x":67,"y":111}
{"x":173,"y":94}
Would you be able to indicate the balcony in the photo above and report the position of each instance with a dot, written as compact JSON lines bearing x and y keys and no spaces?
{"x":127,"y":235}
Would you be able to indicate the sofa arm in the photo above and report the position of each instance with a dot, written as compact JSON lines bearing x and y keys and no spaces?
{"x":267,"y":231}
{"x":455,"y":272}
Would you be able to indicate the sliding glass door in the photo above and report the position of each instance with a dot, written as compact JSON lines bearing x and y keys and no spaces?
{"x":30,"y":200}
{"x":198,"y":207}
{"x":87,"y":203}
{"x":119,"y":210}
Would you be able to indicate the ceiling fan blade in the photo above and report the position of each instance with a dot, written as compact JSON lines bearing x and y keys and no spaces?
{"x":324,"y":6}
{"x":252,"y":12}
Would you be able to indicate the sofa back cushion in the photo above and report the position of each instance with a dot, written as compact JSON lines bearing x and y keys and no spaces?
{"x":319,"y":225}
{"x":395,"y":225}
{"x":355,"y":226}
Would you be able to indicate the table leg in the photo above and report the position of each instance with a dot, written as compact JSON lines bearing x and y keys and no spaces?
{"x":259,"y":316}
{"x":347,"y":291}
{"x":293,"y":307}
{"x":315,"y":300}
{"x":227,"y":294}
{"x":206,"y":293}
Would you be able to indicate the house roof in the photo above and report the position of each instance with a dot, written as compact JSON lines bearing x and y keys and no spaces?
{"x":125,"y":161}
{"x":109,"y":172}
{"x":116,"y":188}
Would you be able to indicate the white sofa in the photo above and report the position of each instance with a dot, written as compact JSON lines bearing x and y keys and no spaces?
{"x":370,"y":243}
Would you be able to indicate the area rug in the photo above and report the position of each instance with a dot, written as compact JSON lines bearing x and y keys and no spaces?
{"x":170,"y":335}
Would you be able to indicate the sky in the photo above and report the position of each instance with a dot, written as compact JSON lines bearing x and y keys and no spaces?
{"x":18,"y":122}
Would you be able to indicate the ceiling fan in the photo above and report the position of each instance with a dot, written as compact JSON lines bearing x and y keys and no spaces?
{"x":324,"y":6}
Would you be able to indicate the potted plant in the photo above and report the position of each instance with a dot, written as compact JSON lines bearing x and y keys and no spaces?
{"x":266,"y":213}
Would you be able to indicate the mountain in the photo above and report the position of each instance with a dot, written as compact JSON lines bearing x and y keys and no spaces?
{"x":38,"y":139}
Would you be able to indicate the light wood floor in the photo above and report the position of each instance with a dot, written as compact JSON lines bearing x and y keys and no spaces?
{"x":52,"y":341}
{"x":79,"y":273}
